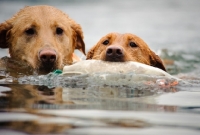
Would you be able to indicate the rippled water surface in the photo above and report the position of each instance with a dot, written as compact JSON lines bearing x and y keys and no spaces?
{"x":80,"y":104}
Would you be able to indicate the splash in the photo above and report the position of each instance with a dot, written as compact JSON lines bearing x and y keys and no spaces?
{"x":98,"y":73}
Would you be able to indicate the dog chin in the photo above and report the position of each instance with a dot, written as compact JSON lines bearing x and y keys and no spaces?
{"x":46,"y":69}
{"x":114,"y":59}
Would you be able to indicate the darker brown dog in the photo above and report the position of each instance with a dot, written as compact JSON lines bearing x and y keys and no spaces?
{"x":117,"y":47}
{"x":42,"y":36}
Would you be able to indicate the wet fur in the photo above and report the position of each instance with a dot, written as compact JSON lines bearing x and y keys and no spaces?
{"x":44,"y":20}
{"x":142,"y":53}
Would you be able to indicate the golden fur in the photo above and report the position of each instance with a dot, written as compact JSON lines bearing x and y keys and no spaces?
{"x":42,"y":29}
{"x":117,"y":47}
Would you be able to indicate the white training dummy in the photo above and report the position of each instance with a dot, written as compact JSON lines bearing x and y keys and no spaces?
{"x":98,"y":66}
{"x":119,"y":73}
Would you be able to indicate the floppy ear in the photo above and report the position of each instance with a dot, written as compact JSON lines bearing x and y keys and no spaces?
{"x":4,"y":30}
{"x":79,"y":43}
{"x":90,"y":53}
{"x":156,"y":61}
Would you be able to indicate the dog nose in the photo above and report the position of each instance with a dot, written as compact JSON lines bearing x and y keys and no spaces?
{"x":114,"y":53}
{"x":47,"y":56}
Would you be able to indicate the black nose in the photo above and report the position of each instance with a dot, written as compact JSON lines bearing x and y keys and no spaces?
{"x":114,"y":53}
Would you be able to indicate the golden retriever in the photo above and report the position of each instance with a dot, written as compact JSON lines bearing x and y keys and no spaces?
{"x":117,"y":47}
{"x":42,"y":36}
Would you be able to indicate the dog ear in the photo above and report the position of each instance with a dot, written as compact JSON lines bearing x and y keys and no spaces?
{"x":156,"y":61}
{"x":90,"y":53}
{"x":4,"y":30}
{"x":79,"y":43}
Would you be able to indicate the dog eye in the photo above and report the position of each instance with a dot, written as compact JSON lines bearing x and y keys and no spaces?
{"x":30,"y":31}
{"x":59,"y":31}
{"x":106,"y":42}
{"x":132,"y":44}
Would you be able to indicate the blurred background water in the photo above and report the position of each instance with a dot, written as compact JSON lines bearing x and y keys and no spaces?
{"x":170,"y":24}
{"x":170,"y":27}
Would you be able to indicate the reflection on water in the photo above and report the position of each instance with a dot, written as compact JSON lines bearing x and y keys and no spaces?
{"x":84,"y":105}
{"x":25,"y":96}
{"x":15,"y":96}
{"x":29,"y":99}
{"x":27,"y":106}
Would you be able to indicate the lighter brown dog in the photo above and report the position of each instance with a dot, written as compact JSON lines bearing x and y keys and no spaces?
{"x":117,"y":47}
{"x":42,"y":36}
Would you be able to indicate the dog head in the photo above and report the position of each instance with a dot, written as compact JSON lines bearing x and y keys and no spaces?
{"x":42,"y":36}
{"x":117,"y":47}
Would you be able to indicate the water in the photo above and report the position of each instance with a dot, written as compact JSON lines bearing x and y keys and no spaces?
{"x":77,"y":105}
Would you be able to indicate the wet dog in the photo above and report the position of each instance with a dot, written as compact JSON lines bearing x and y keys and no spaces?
{"x":117,"y":47}
{"x":43,"y":37}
